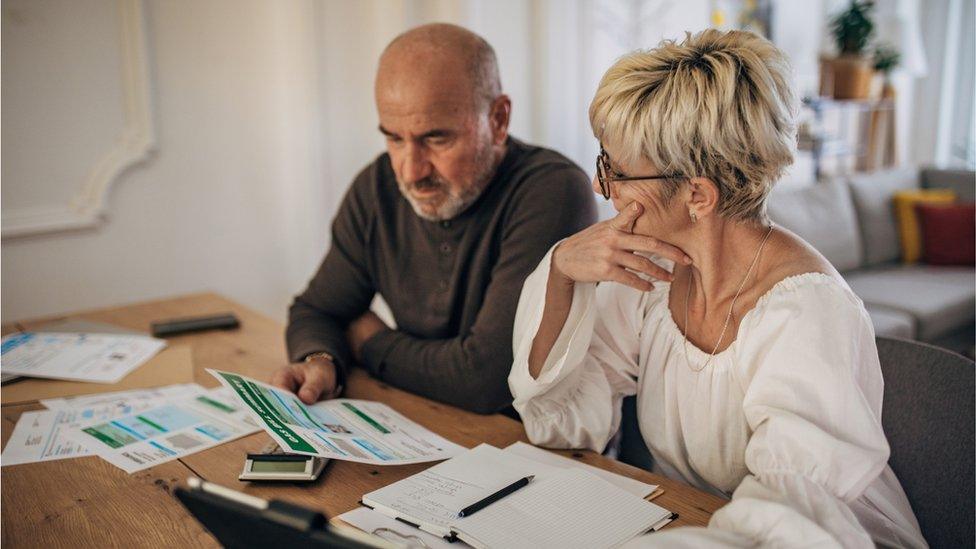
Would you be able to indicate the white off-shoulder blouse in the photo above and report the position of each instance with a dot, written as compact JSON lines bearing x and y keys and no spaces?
{"x":786,"y":421}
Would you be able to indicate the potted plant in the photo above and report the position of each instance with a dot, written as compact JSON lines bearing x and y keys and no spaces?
{"x":886,"y":59}
{"x":852,"y":69}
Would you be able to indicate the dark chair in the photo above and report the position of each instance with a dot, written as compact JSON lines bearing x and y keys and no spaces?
{"x":632,"y":450}
{"x":929,"y":417}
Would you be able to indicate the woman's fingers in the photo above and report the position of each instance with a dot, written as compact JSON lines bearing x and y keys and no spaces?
{"x":648,"y":244}
{"x":624,"y":221}
{"x":627,"y":278}
{"x":606,"y":251}
{"x":641,"y":264}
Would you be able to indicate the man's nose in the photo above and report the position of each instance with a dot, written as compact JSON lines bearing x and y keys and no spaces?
{"x":415,"y":166}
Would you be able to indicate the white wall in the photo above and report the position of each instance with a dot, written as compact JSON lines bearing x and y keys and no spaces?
{"x":264,"y":113}
{"x":225,"y":202}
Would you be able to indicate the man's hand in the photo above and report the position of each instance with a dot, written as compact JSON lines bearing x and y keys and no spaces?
{"x":310,"y":380}
{"x":361,"y":330}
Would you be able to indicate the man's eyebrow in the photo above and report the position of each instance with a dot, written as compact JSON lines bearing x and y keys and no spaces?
{"x":432,"y":133}
{"x":437,"y":133}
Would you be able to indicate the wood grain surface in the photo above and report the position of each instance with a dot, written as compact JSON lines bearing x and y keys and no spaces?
{"x":88,"y":502}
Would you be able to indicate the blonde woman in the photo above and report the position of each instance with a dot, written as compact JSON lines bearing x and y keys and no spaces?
{"x":754,"y":365}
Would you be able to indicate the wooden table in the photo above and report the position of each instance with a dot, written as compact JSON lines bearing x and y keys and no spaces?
{"x":88,"y":502}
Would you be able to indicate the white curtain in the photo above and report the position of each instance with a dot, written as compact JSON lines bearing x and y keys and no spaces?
{"x":943,"y":114}
{"x":551,"y":53}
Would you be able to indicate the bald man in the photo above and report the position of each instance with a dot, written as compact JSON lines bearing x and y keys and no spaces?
{"x":445,"y":226}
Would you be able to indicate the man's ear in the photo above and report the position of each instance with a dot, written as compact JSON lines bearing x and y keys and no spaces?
{"x":499,"y":116}
{"x":703,"y":197}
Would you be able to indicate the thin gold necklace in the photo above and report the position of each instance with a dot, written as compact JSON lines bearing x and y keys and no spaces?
{"x":728,"y":317}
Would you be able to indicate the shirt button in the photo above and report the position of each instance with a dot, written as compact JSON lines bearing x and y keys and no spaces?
{"x":442,"y":284}
{"x":446,"y":224}
{"x":445,"y":248}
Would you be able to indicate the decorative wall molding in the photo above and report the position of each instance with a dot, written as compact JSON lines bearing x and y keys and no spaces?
{"x":88,"y":207}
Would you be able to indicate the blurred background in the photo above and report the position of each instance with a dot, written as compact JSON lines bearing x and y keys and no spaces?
{"x":155,"y":148}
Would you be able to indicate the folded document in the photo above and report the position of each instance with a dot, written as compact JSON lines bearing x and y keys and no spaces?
{"x":346,"y":429}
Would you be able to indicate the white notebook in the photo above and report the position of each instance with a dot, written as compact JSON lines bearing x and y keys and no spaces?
{"x":560,"y":508}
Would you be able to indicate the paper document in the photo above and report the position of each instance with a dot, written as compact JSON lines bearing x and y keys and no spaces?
{"x":122,"y":402}
{"x":633,"y":486}
{"x":551,"y":513}
{"x":432,"y":498}
{"x":73,"y":325}
{"x":41,"y":435}
{"x":395,"y":531}
{"x":560,"y":507}
{"x":97,"y":358}
{"x":347,"y":429}
{"x":166,"y":431}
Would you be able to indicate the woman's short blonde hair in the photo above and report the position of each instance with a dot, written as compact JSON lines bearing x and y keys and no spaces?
{"x":718,"y":105}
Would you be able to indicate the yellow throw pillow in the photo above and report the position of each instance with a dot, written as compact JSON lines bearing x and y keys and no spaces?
{"x":908,"y":228}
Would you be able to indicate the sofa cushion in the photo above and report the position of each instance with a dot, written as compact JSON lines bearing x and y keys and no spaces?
{"x":872,"y":195}
{"x":823,"y":215}
{"x":891,"y":323}
{"x":909,"y":232}
{"x":948,"y":233}
{"x":940,"y":299}
{"x":963,"y":182}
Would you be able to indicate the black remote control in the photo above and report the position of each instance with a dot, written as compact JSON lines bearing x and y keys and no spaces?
{"x":179,"y":326}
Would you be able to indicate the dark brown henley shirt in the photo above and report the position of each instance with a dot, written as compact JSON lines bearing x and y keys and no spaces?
{"x":453,"y":286}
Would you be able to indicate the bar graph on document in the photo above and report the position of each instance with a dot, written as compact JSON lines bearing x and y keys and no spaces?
{"x":166,"y":432}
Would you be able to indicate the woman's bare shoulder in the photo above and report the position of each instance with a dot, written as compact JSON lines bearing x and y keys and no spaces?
{"x":791,"y":255}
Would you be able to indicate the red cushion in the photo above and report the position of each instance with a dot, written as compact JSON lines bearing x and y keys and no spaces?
{"x":948,"y":233}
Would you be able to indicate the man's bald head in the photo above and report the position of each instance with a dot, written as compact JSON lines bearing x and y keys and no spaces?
{"x":443,"y":115}
{"x":442,"y":58}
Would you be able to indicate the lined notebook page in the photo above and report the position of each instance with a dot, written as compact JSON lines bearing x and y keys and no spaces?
{"x":535,"y":453}
{"x":569,"y":508}
{"x":433,"y":497}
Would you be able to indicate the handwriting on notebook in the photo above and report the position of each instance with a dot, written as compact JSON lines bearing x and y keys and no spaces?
{"x":437,"y":495}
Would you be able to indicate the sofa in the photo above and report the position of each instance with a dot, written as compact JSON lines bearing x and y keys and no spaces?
{"x":851,"y":221}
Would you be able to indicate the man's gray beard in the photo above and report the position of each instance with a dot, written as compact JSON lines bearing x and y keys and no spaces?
{"x":453,"y":205}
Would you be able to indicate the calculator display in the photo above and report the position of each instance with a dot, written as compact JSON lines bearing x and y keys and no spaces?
{"x":277,"y":466}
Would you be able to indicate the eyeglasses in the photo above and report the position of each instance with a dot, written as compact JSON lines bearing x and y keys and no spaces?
{"x":605,"y":174}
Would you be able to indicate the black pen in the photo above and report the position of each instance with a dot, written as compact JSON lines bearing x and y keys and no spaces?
{"x":475,"y":507}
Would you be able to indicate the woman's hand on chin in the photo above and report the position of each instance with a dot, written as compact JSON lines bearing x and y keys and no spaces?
{"x":606,"y":252}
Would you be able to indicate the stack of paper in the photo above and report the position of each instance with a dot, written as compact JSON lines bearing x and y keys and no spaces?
{"x":398,"y":531}
{"x":132,"y":430}
{"x":561,"y":507}
{"x":166,"y":431}
{"x":43,"y":435}
{"x":97,"y":358}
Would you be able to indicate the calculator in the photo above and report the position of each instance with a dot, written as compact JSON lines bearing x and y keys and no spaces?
{"x":274,"y":464}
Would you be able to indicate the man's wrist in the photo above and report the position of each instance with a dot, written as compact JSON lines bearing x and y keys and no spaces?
{"x":340,"y":374}
{"x":320,"y":355}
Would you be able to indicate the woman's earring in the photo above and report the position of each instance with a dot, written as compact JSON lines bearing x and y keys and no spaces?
{"x":694,"y":216}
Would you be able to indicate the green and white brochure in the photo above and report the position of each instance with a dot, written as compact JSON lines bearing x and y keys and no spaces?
{"x":354,"y":430}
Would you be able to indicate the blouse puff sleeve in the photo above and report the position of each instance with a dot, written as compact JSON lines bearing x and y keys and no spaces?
{"x":809,"y":370}
{"x":575,"y":401}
